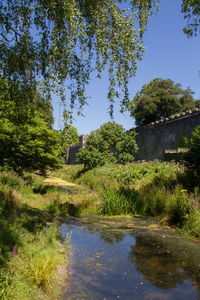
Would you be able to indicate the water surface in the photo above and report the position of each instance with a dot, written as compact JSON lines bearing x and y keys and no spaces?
{"x":134,"y":259}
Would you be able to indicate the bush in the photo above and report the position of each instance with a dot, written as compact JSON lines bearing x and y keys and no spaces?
{"x":30,"y":146}
{"x":192,"y":157}
{"x":92,"y":157}
{"x":110,"y":143}
{"x":10,"y":179}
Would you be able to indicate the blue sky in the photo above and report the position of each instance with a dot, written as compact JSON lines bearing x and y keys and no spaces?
{"x":169,"y":54}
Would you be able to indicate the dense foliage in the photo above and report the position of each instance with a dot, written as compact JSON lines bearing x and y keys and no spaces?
{"x":32,"y":146}
{"x":27,"y":140}
{"x":159,"y":99}
{"x":192,"y":157}
{"x":110,"y":143}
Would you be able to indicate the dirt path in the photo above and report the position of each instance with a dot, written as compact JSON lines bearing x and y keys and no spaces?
{"x":54,"y":181}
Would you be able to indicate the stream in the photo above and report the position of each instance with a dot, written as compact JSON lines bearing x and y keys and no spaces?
{"x":130,"y":258}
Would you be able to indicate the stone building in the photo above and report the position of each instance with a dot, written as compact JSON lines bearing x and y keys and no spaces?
{"x":73,"y":149}
{"x":159,"y":137}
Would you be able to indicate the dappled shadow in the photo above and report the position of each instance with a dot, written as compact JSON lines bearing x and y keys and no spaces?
{"x":81,"y":172}
{"x":60,"y":189}
{"x":14,"y":219}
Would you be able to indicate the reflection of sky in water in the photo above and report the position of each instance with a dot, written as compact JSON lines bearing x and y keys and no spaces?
{"x":108,"y":264}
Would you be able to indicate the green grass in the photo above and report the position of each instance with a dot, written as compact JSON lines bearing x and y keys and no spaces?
{"x":31,"y":273}
{"x":34,"y":264}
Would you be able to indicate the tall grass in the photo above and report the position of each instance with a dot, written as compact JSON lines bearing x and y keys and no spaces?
{"x":30,"y":252}
{"x":163,"y":190}
{"x":31,"y":272}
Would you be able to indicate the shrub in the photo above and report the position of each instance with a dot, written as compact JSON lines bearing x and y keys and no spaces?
{"x":192,"y":223}
{"x":110,"y":143}
{"x":10,"y":179}
{"x":192,"y":157}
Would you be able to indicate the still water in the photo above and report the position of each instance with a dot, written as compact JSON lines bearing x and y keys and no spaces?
{"x":130,"y":259}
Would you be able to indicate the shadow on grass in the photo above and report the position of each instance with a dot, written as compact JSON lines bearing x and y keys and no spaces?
{"x":70,"y":190}
{"x":81,"y":172}
{"x":16,"y":220}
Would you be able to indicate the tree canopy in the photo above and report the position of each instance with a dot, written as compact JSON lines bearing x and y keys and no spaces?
{"x":159,"y":99}
{"x":109,"y":143}
{"x":27,"y":141}
{"x":57,"y":40}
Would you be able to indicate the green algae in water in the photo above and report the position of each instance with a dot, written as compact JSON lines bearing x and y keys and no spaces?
{"x":135,"y":263}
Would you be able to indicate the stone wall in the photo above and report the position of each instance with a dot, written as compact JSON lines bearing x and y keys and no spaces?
{"x":73,"y":149}
{"x":156,"y":139}
{"x":153,"y":139}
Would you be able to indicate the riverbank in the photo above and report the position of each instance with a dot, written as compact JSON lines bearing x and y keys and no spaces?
{"x":33,"y":257}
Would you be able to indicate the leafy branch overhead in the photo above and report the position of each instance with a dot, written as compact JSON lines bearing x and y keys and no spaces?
{"x":58,"y":41}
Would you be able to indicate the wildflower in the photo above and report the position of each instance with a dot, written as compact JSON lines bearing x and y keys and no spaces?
{"x":55,"y":220}
{"x":196,"y":204}
{"x":182,"y":191}
{"x":14,"y":250}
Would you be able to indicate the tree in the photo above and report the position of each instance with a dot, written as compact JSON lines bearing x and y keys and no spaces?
{"x":69,"y":136}
{"x":197,"y":103}
{"x":32,"y":146}
{"x":57,"y":40}
{"x":159,"y":99}
{"x":110,"y":143}
{"x":191,"y":10}
{"x":26,"y":139}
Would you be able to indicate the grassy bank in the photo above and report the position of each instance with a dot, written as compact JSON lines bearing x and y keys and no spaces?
{"x":163,"y":190}
{"x":33,"y":259}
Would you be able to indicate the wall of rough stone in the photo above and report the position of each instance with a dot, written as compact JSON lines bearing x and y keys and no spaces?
{"x":153,"y":139}
{"x":72,"y":150}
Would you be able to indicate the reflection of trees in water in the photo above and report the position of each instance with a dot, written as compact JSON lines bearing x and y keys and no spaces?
{"x":156,"y":263}
{"x":163,"y":262}
{"x":109,"y":236}
{"x":166,"y":263}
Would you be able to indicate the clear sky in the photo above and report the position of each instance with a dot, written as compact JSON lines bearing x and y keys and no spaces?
{"x":169,"y":54}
